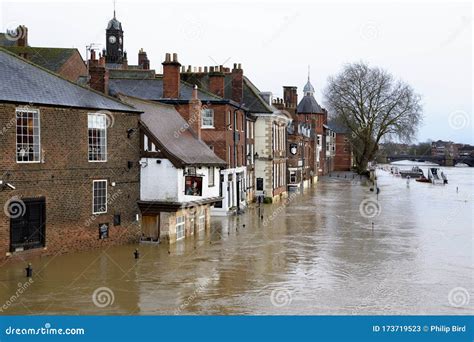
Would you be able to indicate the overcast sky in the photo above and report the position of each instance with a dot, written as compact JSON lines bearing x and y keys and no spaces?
{"x":427,"y":44}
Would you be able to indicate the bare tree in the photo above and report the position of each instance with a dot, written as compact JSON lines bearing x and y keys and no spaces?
{"x":372,"y":105}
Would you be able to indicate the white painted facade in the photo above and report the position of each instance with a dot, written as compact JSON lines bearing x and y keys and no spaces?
{"x":233,"y":187}
{"x":160,"y":180}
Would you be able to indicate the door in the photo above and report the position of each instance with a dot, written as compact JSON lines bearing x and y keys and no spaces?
{"x":150,"y":227}
{"x":28,"y":230}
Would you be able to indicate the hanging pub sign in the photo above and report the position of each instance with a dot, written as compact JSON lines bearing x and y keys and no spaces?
{"x":103,"y":231}
{"x":193,"y":186}
{"x":293,"y":149}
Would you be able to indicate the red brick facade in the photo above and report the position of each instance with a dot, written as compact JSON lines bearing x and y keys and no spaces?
{"x":343,"y":157}
{"x":64,"y":179}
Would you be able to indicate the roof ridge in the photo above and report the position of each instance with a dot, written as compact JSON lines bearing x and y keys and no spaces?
{"x":256,"y":92}
{"x":62,"y":78}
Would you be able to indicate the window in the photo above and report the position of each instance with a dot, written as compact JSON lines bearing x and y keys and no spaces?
{"x":229,"y":120}
{"x":243,"y":122}
{"x":27,"y":136}
{"x":179,"y":227}
{"x":97,"y":126}
{"x":207,"y":118}
{"x":293,"y":177}
{"x":202,"y":220}
{"x":99,"y":197}
{"x":211,"y":176}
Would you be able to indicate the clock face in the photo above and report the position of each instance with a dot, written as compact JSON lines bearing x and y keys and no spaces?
{"x":112,"y":39}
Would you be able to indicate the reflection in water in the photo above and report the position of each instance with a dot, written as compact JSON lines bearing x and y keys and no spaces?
{"x":315,"y":255}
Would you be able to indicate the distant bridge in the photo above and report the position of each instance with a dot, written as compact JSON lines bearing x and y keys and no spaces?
{"x":440,"y":160}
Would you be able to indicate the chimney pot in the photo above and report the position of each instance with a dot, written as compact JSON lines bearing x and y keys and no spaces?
{"x":175,"y":57}
{"x":167,"y":57}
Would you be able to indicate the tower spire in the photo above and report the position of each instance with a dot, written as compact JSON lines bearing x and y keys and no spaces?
{"x":308,"y":71}
{"x":114,"y":9}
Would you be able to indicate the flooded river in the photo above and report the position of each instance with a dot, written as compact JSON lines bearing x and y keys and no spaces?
{"x":318,"y":253}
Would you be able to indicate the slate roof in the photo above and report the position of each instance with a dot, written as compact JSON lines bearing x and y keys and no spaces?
{"x":167,"y":125}
{"x":152,"y":89}
{"x":337,"y":127}
{"x":6,"y":42}
{"x":24,"y":82}
{"x":308,"y":105}
{"x":50,"y":58}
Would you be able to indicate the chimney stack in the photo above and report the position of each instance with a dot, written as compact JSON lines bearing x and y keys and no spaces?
{"x":98,"y":74}
{"x":290,"y":96}
{"x":217,"y":81}
{"x":195,"y":108}
{"x":22,"y":35}
{"x":237,"y":83}
{"x":171,"y":76}
{"x":143,"y":60}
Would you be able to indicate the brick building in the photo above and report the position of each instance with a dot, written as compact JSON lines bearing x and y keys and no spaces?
{"x":66,"y":62}
{"x":69,"y":168}
{"x":342,"y":158}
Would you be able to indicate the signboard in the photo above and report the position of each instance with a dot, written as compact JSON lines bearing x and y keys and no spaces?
{"x":103,"y":231}
{"x":193,"y":186}
{"x":293,"y":149}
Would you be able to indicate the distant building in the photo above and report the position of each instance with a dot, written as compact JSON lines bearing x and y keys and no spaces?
{"x":70,"y":171}
{"x":442,"y":148}
{"x":66,"y":62}
{"x":343,"y":153}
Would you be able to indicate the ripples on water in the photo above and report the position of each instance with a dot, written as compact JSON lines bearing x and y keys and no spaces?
{"x":318,"y":255}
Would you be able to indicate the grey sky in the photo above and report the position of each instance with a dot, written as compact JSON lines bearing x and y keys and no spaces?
{"x":427,"y":44}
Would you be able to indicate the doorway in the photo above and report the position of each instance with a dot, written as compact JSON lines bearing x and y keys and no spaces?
{"x":27,"y":231}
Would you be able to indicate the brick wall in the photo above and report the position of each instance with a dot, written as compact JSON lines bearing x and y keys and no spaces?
{"x":73,"y":68}
{"x":343,"y":158}
{"x":65,"y":180}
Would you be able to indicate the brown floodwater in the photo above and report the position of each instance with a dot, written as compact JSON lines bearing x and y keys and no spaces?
{"x":318,"y":253}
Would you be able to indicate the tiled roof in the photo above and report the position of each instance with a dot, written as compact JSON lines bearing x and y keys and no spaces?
{"x":152,"y":89}
{"x":50,"y":58}
{"x":24,"y":82}
{"x":308,"y":105}
{"x":169,"y":128}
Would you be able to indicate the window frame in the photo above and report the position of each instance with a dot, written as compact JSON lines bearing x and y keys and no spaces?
{"x":207,"y":110}
{"x":33,"y":111}
{"x":183,"y":224}
{"x":211,"y":171}
{"x":105,"y":137}
{"x":93,"y":196}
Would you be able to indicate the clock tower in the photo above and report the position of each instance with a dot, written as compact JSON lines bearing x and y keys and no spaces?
{"x":114,"y":42}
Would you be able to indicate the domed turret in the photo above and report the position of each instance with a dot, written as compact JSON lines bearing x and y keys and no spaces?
{"x":114,"y":42}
